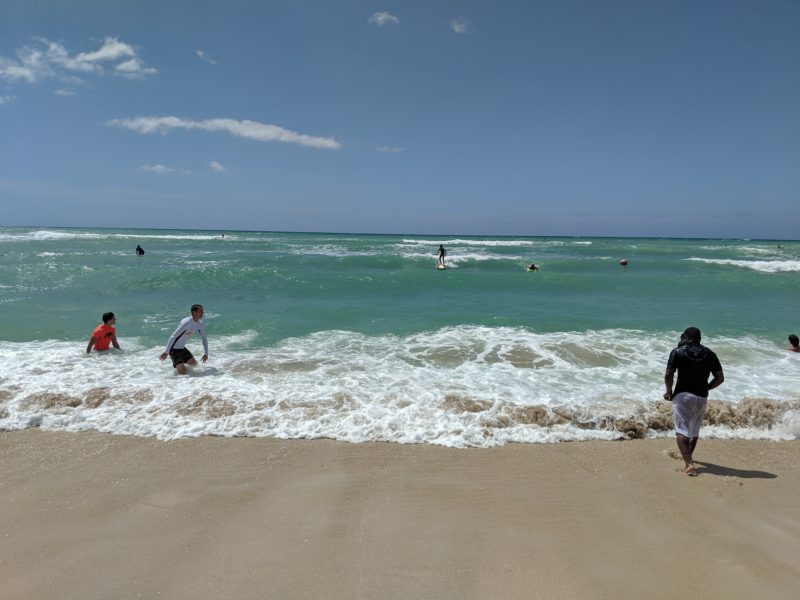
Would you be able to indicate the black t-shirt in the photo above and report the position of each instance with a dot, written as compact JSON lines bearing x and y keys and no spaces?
{"x":694,"y":363}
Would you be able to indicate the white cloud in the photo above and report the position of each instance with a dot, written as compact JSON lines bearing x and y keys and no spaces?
{"x":111,"y":50}
{"x":216,"y":167}
{"x":44,"y":59}
{"x":205,"y":57}
{"x":5,"y":99}
{"x":460,"y":25}
{"x":383,"y":18}
{"x":134,"y":68}
{"x":252,"y":130}
{"x":63,"y":92}
{"x":389,"y":149}
{"x":30,"y":67}
{"x":158,"y":169}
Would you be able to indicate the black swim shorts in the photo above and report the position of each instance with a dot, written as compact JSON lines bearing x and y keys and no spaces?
{"x":180,"y":355}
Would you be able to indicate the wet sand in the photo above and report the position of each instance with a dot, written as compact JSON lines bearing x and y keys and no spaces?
{"x":91,"y":515}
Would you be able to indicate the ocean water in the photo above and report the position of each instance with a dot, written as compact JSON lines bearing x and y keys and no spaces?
{"x":361,"y":338}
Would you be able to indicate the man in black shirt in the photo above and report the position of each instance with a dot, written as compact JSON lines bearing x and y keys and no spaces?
{"x":694,"y":362}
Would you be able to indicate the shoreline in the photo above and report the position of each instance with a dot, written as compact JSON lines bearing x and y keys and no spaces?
{"x":91,"y":515}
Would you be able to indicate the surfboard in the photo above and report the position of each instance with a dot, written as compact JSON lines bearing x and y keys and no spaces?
{"x":441,"y":267}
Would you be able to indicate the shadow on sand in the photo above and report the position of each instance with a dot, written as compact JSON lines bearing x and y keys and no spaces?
{"x":704,"y":468}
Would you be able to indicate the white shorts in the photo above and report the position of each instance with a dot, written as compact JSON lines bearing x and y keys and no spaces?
{"x":688,"y":411}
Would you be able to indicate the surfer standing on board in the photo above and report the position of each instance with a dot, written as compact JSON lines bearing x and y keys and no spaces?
{"x":694,"y":362}
{"x":442,"y":254}
{"x":104,"y":334}
{"x":176,"y":346}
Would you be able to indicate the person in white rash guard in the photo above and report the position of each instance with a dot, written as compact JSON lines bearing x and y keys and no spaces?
{"x":176,"y":346}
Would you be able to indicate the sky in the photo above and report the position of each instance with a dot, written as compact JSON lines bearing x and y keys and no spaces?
{"x":510,"y":117}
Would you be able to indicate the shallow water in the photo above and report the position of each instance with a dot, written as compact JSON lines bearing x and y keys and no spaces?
{"x":359,"y":337}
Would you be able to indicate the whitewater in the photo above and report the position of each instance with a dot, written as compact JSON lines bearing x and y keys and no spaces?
{"x":359,"y":338}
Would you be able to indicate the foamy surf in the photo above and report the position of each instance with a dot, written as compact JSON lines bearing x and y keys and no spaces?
{"x":459,"y":387}
{"x":764,"y":266}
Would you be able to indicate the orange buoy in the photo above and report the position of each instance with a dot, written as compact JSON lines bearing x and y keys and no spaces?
{"x":624,"y":262}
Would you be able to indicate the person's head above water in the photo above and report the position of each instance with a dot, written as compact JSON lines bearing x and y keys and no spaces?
{"x":691,"y":334}
{"x":794,"y":340}
{"x":107,"y":317}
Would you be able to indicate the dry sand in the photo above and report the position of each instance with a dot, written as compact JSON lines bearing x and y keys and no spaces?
{"x":91,"y":515}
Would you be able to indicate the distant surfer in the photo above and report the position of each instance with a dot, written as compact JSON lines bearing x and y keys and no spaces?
{"x":176,"y":346}
{"x":139,"y":250}
{"x":532,"y":267}
{"x":794,"y":343}
{"x":694,"y":363}
{"x":442,"y":254}
{"x":104,"y":334}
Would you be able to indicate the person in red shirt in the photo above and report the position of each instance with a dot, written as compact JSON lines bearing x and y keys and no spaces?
{"x":104,"y":334}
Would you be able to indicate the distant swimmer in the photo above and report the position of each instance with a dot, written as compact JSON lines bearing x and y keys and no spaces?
{"x":532,"y":267}
{"x":139,"y":250}
{"x":442,"y":254}
{"x":794,"y":343}
{"x":104,"y":334}
{"x":176,"y":346}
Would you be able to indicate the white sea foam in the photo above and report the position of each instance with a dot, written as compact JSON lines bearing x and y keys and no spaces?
{"x":48,"y":235}
{"x":489,"y":243}
{"x":760,"y":250}
{"x":455,"y":258}
{"x":45,"y":235}
{"x":764,"y":266}
{"x":462,"y":386}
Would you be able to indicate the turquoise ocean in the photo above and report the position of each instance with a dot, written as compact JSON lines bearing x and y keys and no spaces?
{"x":360,"y":338}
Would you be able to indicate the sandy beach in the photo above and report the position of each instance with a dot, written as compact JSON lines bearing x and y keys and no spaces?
{"x":92,"y":515}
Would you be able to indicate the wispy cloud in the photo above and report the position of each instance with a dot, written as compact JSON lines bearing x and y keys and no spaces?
{"x":205,"y":57}
{"x":134,"y":68}
{"x":44,"y":59}
{"x":253,"y":130}
{"x":158,"y":169}
{"x":5,"y":99}
{"x":383,"y":18}
{"x":389,"y":149}
{"x":63,"y":92}
{"x":460,"y":25}
{"x":216,"y":167}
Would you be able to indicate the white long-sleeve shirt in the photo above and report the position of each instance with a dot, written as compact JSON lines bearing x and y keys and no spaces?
{"x":187,"y":328}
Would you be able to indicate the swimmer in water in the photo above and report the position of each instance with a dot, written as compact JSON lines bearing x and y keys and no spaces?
{"x":794,"y":343}
{"x":104,"y":334}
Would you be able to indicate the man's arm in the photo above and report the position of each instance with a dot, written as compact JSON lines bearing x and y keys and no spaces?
{"x":172,"y":339}
{"x":92,"y":342}
{"x":719,"y":377}
{"x":669,"y":377}
{"x":205,"y":344}
{"x":115,"y":342}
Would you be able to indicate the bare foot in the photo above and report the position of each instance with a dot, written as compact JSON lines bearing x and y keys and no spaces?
{"x":690,"y":471}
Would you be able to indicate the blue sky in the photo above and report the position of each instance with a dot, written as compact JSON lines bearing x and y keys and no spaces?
{"x":677,"y":119}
